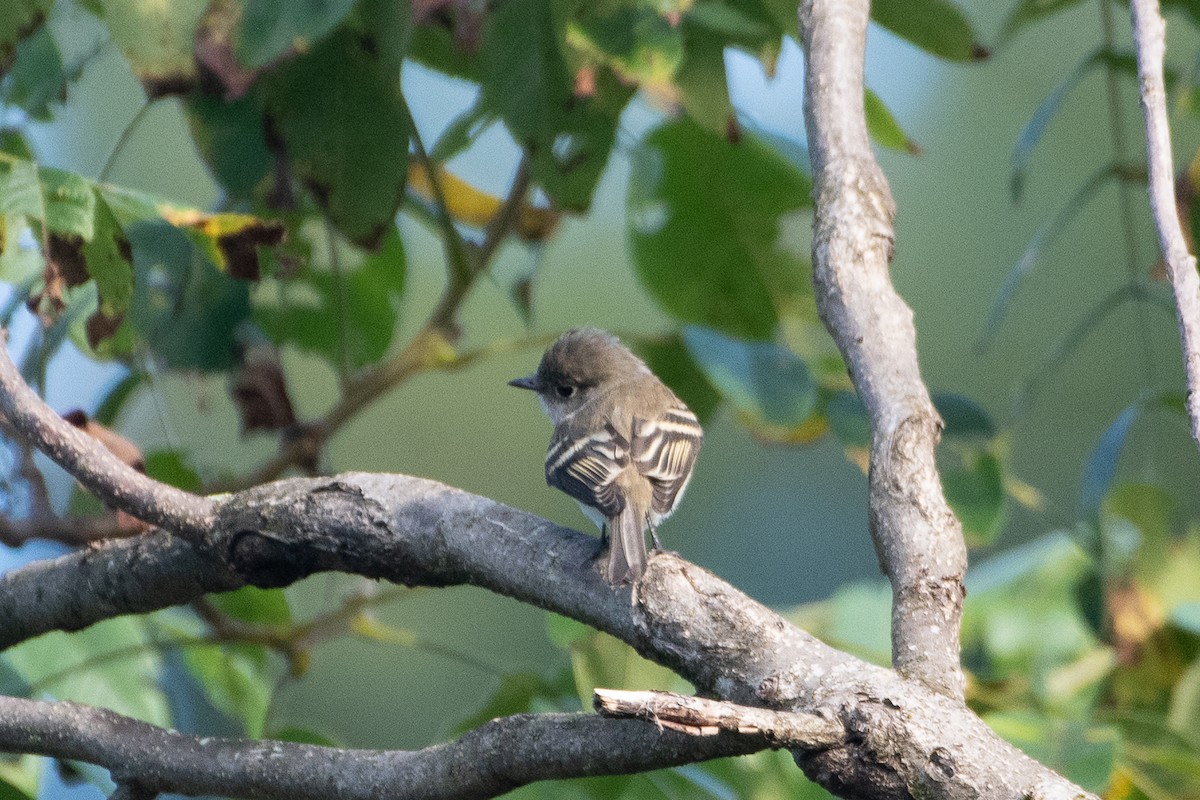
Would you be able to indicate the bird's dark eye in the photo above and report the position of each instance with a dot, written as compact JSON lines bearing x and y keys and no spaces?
{"x":565,"y":390}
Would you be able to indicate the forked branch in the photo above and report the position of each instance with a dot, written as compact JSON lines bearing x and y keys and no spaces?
{"x":919,"y":540}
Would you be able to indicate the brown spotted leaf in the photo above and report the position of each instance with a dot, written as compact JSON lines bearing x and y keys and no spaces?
{"x":231,"y":241}
{"x":260,"y":391}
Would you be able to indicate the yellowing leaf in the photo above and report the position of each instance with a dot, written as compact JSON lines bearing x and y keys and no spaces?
{"x":477,"y":208}
{"x":231,"y":241}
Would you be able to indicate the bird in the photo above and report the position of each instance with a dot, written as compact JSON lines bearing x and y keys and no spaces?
{"x":624,"y":445}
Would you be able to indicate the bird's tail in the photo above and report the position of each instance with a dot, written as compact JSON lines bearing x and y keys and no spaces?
{"x":627,"y":545}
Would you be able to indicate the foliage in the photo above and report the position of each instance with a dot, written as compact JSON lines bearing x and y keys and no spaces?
{"x":1084,"y":647}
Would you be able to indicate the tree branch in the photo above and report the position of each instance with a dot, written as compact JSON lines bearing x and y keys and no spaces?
{"x":699,"y":716}
{"x":490,"y":760}
{"x":1149,"y":32}
{"x":917,"y":537}
{"x":91,"y":463}
{"x":429,"y":347}
{"x":906,"y":741}
{"x":414,"y":531}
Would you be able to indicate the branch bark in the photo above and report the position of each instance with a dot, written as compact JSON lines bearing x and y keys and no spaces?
{"x":1149,"y":31}
{"x":699,"y":716}
{"x":917,"y":537}
{"x":905,"y":741}
{"x":490,"y":760}
{"x":91,"y":463}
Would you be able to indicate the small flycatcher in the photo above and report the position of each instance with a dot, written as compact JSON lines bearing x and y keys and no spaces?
{"x":623,"y":444}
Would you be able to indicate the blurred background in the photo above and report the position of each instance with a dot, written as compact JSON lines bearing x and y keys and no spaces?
{"x":787,"y":524}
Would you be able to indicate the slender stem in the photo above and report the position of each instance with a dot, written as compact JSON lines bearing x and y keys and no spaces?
{"x":430,"y":348}
{"x":1150,"y":38}
{"x":122,"y":140}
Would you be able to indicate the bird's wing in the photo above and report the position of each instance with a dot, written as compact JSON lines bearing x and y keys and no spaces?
{"x":664,"y":449}
{"x":587,"y":467}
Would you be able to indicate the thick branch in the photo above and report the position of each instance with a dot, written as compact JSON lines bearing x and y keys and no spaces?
{"x":917,"y":537}
{"x":114,"y":482}
{"x":907,"y":740}
{"x":490,"y":760}
{"x":1149,"y":31}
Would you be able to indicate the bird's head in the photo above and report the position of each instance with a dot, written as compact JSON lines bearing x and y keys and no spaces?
{"x":579,"y":364}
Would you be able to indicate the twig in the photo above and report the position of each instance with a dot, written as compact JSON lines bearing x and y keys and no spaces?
{"x":71,"y":531}
{"x":114,"y":482}
{"x":698,"y":716}
{"x":430,"y":348}
{"x":490,"y":760}
{"x":123,"y":140}
{"x":918,"y":539}
{"x":1149,"y":33}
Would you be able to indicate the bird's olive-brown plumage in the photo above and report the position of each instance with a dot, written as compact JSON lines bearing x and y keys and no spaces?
{"x":623,"y":444}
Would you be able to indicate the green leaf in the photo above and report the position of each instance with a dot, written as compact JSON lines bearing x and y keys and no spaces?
{"x":1162,"y":763}
{"x":975,"y":491}
{"x":963,"y":416}
{"x":14,"y":143}
{"x":343,"y":127}
{"x":462,"y":132}
{"x":1101,"y":466}
{"x":19,"y":777}
{"x":113,"y":664}
{"x":38,"y":77}
{"x":251,"y":604}
{"x":701,"y":81}
{"x":1148,"y":509}
{"x":271,"y":28}
{"x":525,"y":81}
{"x":21,"y":191}
{"x":936,"y":26}
{"x":186,"y":311}
{"x":1079,"y":751}
{"x":705,"y":242}
{"x":636,"y":41}
{"x":356,"y":311}
{"x":1183,"y":716}
{"x":68,"y":203}
{"x":109,"y":262}
{"x":884,"y":128}
{"x":234,"y":680}
{"x":768,"y":385}
{"x":170,"y":467}
{"x":1027,"y":12}
{"x":669,"y":360}
{"x":20,"y":258}
{"x":157,"y":40}
{"x":1023,"y":618}
{"x":21,"y":18}
{"x":231,"y":139}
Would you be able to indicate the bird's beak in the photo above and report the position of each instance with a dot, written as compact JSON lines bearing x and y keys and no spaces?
{"x":529,"y":382}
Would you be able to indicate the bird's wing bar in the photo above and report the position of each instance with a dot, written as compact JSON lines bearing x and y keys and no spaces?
{"x":664,"y":450}
{"x":587,"y":469}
